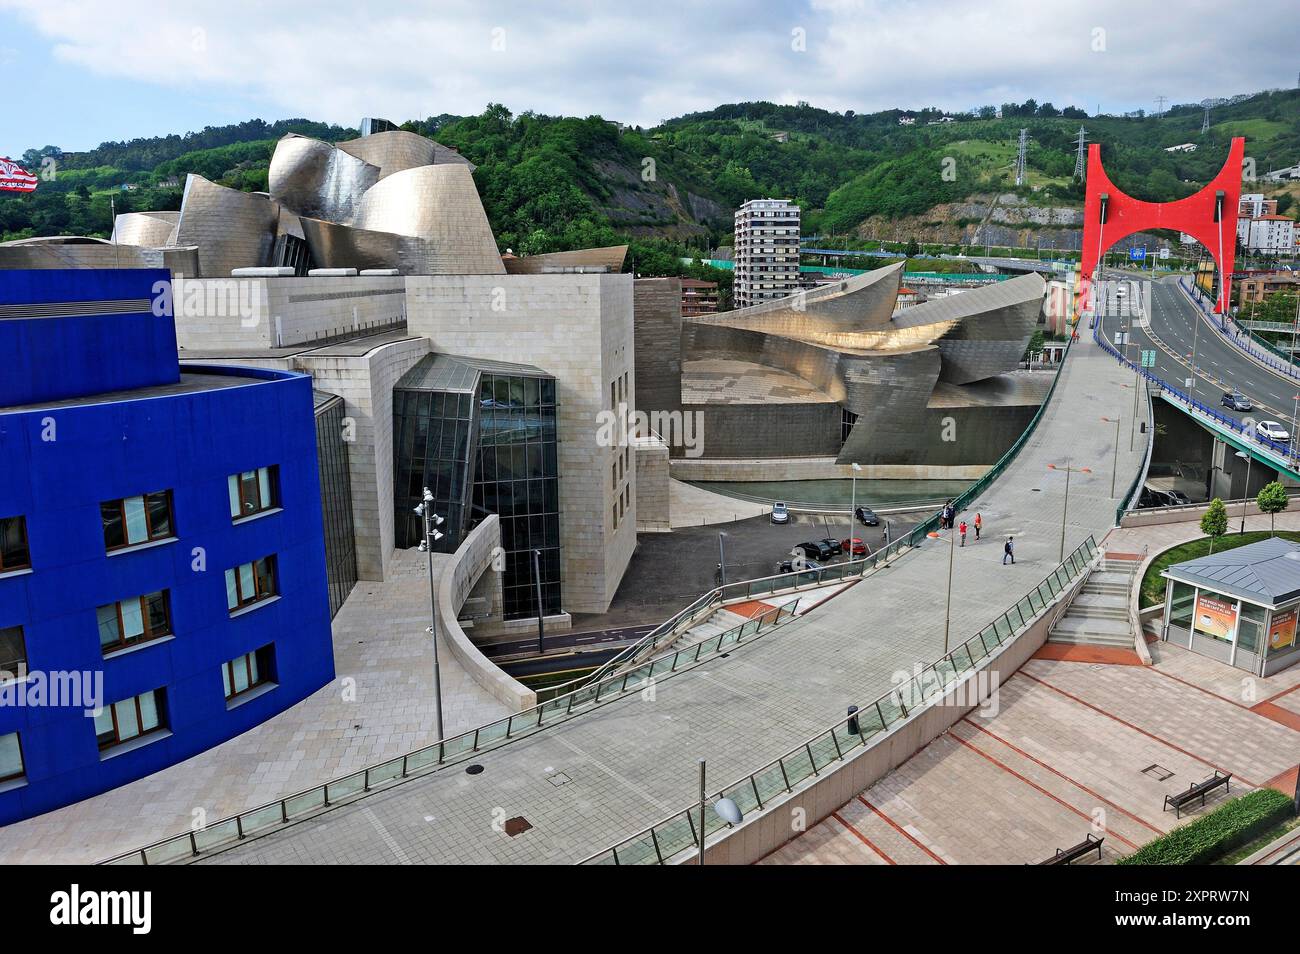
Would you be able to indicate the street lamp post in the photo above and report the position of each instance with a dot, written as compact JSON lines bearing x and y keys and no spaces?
{"x":722,"y":560}
{"x":1065,"y":504}
{"x":853,"y":508}
{"x":701,"y":811}
{"x":431,"y":536}
{"x":1114,"y":465}
{"x":947,"y":613}
{"x":537,"y":579}
{"x":1245,"y":494}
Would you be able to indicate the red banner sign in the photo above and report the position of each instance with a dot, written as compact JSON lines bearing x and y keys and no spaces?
{"x":14,"y":178}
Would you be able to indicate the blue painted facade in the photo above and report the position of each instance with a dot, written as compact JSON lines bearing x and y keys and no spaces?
{"x":186,"y":433}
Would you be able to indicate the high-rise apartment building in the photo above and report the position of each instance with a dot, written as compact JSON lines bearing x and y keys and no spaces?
{"x":767,"y":251}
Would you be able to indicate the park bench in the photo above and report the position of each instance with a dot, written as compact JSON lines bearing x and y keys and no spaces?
{"x":1065,"y":856}
{"x":1199,"y":790}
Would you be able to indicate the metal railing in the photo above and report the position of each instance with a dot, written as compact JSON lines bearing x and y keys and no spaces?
{"x":430,"y":758}
{"x":1249,"y":434}
{"x":679,"y":833}
{"x":1270,"y":355}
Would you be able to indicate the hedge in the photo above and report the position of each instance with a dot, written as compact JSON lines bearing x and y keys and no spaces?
{"x":1210,"y":837}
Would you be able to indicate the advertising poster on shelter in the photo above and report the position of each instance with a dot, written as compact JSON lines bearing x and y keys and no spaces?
{"x":1215,"y":617}
{"x":1281,"y":633}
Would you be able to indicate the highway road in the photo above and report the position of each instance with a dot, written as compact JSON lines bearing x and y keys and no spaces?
{"x":1175,"y":328}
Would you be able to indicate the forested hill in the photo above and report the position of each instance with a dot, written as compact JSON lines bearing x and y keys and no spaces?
{"x":552,"y":183}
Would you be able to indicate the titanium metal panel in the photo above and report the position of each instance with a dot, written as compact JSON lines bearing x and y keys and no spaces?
{"x":315,"y":179}
{"x":231,"y":229}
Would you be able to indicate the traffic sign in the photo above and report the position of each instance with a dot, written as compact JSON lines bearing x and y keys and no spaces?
{"x":1121,"y":338}
{"x":1138,"y":254}
{"x":1149,"y":359}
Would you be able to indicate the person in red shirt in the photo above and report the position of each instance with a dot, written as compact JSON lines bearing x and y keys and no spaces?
{"x":962,"y":530}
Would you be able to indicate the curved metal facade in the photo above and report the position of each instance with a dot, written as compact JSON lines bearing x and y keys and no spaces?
{"x":609,"y":258}
{"x":315,"y":179}
{"x":147,"y":229}
{"x":232,"y":229}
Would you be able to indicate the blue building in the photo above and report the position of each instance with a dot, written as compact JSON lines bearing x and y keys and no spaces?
{"x":162,"y":561}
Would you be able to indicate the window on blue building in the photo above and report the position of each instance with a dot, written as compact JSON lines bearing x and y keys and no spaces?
{"x":135,"y":520}
{"x":248,"y":671}
{"x":131,"y":718}
{"x":250,"y":583}
{"x":11,"y":758}
{"x":137,"y":620}
{"x":254,"y":491}
{"x":13,"y":652}
{"x":14,"y":554}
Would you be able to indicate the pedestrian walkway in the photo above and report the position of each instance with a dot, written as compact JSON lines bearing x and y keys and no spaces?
{"x":379,"y":706}
{"x":589,"y":781}
{"x":692,"y":506}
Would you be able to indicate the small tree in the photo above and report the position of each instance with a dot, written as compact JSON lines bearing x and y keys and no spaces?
{"x":1214,"y":522}
{"x":1272,"y":499}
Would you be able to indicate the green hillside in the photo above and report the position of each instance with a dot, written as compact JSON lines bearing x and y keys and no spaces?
{"x":552,"y":183}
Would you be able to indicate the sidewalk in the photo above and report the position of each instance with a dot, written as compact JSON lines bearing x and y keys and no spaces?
{"x":381,"y":652}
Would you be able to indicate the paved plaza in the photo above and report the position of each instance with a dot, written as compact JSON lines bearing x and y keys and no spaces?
{"x":595,"y":779}
{"x":1069,"y":744}
{"x":378,"y":706}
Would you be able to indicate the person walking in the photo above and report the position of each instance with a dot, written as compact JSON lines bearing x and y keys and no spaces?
{"x":962,"y":530}
{"x":1009,"y":552}
{"x":979,"y":522}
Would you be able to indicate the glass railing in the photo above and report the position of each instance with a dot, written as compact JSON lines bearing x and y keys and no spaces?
{"x":678,"y":836}
{"x":458,"y":748}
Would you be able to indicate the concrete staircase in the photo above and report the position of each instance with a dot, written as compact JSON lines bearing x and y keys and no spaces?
{"x":718,"y":622}
{"x":1098,"y":615}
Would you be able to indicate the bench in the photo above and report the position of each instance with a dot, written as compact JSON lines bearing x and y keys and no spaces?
{"x":1068,"y":855}
{"x":1199,"y":790}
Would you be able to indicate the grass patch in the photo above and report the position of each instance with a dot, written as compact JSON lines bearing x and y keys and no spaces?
{"x":1232,"y":824}
{"x":1153,"y":585}
{"x":1267,"y":838}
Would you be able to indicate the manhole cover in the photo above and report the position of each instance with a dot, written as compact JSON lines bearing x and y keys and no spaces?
{"x":1158,"y":772}
{"x":517,"y":825}
{"x":558,"y":779}
{"x":474,"y":769}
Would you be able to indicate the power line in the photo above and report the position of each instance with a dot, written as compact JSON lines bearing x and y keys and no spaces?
{"x":1160,"y":105}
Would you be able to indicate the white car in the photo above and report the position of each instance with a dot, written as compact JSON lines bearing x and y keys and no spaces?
{"x":1274,"y":431}
{"x":780,"y":513}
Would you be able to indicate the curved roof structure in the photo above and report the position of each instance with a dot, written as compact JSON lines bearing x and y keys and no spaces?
{"x":610,"y":258}
{"x":314,"y":178}
{"x":441,"y":205}
{"x":398,"y":150}
{"x":232,"y":229}
{"x":148,"y":229}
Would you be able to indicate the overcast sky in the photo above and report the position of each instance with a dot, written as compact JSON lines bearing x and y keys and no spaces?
{"x":78,"y":72}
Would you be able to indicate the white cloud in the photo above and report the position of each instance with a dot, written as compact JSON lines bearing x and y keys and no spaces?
{"x":640,"y":63}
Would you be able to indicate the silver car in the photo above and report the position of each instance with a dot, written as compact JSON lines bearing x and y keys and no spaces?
{"x":780,"y":514}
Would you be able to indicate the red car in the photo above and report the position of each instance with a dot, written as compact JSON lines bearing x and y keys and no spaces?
{"x":859,"y":548}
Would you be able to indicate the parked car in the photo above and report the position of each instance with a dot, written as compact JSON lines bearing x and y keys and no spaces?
{"x":1236,"y":401}
{"x":866,"y":517}
{"x":815,"y":550}
{"x":856,"y":547}
{"x":1274,"y":431}
{"x":787,"y":566}
{"x":1177,"y":498}
{"x":833,"y":545}
{"x":780,"y":513}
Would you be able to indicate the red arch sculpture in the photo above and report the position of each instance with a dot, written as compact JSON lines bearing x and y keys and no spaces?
{"x":1110,"y":215}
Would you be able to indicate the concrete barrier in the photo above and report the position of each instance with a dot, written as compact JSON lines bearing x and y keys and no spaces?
{"x":765,"y":831}
{"x":460,"y":572}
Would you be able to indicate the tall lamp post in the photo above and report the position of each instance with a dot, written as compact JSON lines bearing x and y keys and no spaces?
{"x":1065,"y":504}
{"x":853,"y":508}
{"x":947,"y":613}
{"x":541,"y":625}
{"x":1245,"y":494}
{"x":1114,"y":464}
{"x":722,"y":560}
{"x":431,"y":536}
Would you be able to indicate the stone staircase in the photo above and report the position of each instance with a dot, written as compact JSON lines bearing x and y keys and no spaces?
{"x":718,"y":622}
{"x":1098,"y":615}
